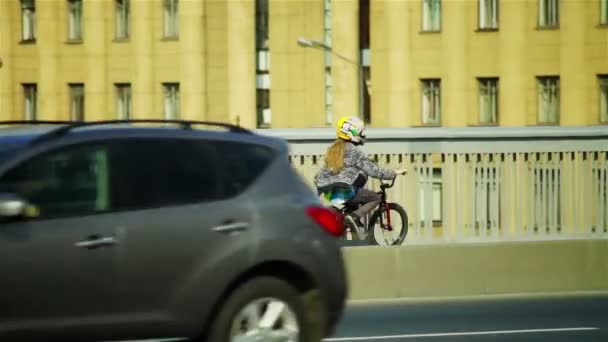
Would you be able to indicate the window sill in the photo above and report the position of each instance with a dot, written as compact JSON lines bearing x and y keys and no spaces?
{"x":435,"y":225}
{"x":122,"y":40}
{"x":169,"y":39}
{"x":429,"y":31}
{"x":545,"y":124}
{"x":547,"y":28}
{"x":602,"y":26}
{"x":496,"y":124}
{"x":430,"y":125}
{"x":489,"y":29}
{"x":27,"y":41}
{"x":74,"y":41}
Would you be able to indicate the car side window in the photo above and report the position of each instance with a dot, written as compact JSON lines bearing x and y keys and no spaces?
{"x":73,"y":181}
{"x":163,"y":172}
{"x":241,"y":164}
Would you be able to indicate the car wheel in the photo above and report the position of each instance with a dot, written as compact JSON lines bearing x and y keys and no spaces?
{"x":267,"y":309}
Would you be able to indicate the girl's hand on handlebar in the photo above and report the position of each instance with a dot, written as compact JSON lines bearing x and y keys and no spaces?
{"x":401,"y":171}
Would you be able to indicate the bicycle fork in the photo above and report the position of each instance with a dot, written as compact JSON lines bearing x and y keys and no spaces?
{"x":388,"y":217}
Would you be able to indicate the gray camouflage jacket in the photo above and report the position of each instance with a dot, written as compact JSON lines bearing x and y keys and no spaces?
{"x":355,"y":162}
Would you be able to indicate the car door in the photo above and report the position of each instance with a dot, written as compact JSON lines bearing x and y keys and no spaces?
{"x":181,"y":222}
{"x":58,"y":262}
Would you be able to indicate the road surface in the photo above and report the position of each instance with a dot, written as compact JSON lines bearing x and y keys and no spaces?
{"x":554,"y":319}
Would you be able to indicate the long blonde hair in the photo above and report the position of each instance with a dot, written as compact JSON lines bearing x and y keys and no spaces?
{"x":334,"y":158}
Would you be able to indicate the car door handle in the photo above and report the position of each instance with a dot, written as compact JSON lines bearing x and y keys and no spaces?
{"x":96,"y":242}
{"x":231,"y":227}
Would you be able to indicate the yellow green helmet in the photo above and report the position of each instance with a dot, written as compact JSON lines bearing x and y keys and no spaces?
{"x":350,"y":128}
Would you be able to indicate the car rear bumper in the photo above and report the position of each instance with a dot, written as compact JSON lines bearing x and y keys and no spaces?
{"x":336,"y":291}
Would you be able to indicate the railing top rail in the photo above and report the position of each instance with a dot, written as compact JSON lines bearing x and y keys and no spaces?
{"x":446,"y":134}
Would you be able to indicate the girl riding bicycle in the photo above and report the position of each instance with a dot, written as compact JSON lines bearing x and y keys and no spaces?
{"x":347,"y":169}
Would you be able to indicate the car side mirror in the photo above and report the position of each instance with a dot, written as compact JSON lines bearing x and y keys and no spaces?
{"x":11,"y":205}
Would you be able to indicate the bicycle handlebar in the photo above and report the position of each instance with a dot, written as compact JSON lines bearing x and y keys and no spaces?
{"x":388,"y":185}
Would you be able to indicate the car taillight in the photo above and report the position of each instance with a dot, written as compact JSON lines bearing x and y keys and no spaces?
{"x":327,"y":218}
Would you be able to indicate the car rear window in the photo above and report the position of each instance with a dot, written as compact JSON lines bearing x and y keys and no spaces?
{"x":241,"y":164}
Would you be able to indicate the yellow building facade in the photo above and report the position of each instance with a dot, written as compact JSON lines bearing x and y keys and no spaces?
{"x":302,"y":63}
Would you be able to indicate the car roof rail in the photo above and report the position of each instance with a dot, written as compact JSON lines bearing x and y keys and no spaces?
{"x":70,"y":125}
{"x":34,"y":122}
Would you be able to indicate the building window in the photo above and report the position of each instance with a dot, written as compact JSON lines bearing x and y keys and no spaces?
{"x":28,"y":20}
{"x":488,"y":14}
{"x":365,"y":60}
{"x":327,"y":40}
{"x":264,"y":115}
{"x":76,"y":101}
{"x":171,"y":23}
{"x":603,"y":82}
{"x":548,"y":13}
{"x":431,"y":101}
{"x":488,"y":100}
{"x":171,"y":93}
{"x":487,"y":196}
{"x":123,"y":101}
{"x":431,"y":15}
{"x":123,"y":24}
{"x":546,"y":208}
{"x":431,"y":194}
{"x":261,"y":24}
{"x":75,"y":20}
{"x":604,"y":12}
{"x":548,"y":100}
{"x":30,"y":101}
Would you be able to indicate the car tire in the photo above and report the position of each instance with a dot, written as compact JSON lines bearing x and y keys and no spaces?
{"x":304,"y":308}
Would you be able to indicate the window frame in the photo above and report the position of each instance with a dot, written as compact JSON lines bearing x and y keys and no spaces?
{"x":543,"y":21}
{"x":75,"y":10}
{"x":170,"y":19}
{"x":264,"y":113}
{"x":122,"y":12}
{"x":552,"y":88}
{"x":433,"y":85}
{"x":74,"y":95}
{"x":171,"y":91}
{"x":482,"y":83}
{"x":494,"y":8}
{"x":30,"y":89}
{"x":603,"y":97}
{"x":434,"y":181}
{"x":121,"y":90}
{"x":28,"y":20}
{"x":427,"y":23}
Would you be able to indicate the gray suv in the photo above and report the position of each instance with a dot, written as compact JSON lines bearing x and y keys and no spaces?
{"x":118,"y":231}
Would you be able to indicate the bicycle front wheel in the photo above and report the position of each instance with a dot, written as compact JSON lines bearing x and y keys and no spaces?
{"x":380,"y":233}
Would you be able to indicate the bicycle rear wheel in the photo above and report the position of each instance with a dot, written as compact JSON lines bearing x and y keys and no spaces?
{"x":379,"y":230}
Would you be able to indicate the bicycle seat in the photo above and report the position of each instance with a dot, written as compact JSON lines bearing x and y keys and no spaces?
{"x":336,"y":187}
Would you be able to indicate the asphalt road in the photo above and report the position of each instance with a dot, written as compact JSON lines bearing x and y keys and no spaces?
{"x":555,"y":319}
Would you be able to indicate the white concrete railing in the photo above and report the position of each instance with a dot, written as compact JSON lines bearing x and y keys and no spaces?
{"x":484,"y":184}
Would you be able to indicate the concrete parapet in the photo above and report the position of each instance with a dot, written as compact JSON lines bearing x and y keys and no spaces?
{"x":477,"y":269}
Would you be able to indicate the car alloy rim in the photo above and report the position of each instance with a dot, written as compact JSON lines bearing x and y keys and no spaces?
{"x":265,"y":319}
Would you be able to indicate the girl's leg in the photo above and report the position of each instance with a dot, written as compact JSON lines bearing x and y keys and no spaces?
{"x":368,"y":201}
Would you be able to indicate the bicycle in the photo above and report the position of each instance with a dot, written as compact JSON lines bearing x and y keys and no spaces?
{"x":382,"y":214}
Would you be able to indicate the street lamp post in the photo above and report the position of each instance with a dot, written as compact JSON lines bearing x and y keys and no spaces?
{"x":311,"y":43}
